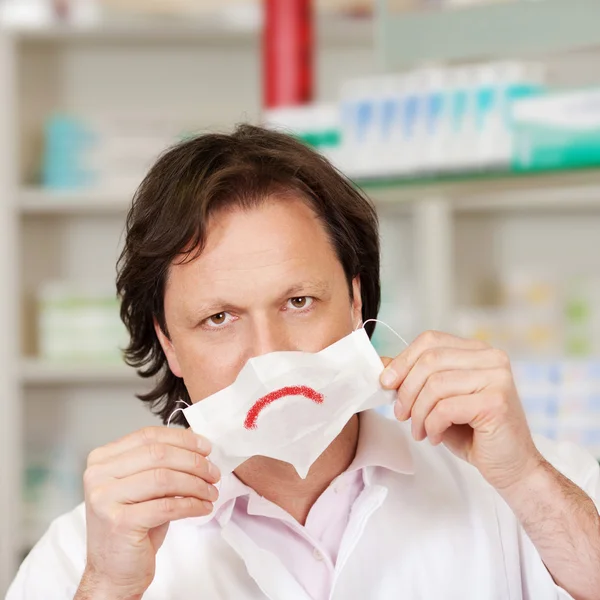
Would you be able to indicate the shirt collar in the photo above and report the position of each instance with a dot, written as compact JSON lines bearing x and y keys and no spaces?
{"x":381,"y":443}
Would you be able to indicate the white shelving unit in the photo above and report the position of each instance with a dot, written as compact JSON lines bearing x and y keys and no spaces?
{"x":577,"y":191}
{"x":530,"y":219}
{"x":38,"y":373}
{"x":10,"y":396}
{"x":37,"y":201}
{"x":494,"y":224}
{"x":208,"y":71}
{"x":210,"y":30}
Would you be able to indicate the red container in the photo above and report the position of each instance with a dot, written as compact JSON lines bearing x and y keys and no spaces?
{"x":288,"y":53}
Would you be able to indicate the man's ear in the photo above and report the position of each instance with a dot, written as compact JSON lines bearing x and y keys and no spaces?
{"x":168,"y":349}
{"x":356,"y":303}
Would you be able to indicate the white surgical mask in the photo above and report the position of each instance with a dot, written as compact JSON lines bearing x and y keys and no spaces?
{"x":291,"y":405}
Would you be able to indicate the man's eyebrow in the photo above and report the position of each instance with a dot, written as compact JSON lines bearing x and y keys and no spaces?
{"x":214,"y":307}
{"x":305,"y":287}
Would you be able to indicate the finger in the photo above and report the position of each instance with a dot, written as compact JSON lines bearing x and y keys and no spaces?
{"x":182,"y":438}
{"x":441,"y":385}
{"x":159,"y":483}
{"x":154,"y":513}
{"x":397,"y":370}
{"x":458,"y":410}
{"x":158,"y":455}
{"x":446,"y":359}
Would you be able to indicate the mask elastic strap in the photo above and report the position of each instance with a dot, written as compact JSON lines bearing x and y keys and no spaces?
{"x":172,"y":415}
{"x":176,"y":411}
{"x":385,"y":325}
{"x":218,"y":484}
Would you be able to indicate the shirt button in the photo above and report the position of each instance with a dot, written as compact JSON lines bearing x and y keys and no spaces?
{"x":318,"y":555}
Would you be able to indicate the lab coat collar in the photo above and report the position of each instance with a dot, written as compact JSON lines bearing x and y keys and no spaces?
{"x":382,"y":442}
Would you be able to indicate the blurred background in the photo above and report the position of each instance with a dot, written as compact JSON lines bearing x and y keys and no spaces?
{"x":474,"y":126}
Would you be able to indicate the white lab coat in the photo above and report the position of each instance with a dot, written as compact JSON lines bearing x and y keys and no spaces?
{"x":441,"y":533}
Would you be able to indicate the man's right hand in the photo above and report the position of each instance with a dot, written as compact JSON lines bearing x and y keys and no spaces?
{"x":134,"y":488}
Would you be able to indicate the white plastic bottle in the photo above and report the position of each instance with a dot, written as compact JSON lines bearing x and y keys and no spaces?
{"x":391,"y":147}
{"x":413,"y":123}
{"x":460,"y":150}
{"x":489,"y":120}
{"x":360,"y":130}
{"x":438,"y":120}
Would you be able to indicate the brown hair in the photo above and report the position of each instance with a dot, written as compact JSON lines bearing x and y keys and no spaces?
{"x":188,"y":184}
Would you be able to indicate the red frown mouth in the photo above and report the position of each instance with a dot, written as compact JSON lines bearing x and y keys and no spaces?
{"x":291,"y":390}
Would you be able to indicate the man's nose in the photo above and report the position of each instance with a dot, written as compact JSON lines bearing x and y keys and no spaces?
{"x":269,"y":337}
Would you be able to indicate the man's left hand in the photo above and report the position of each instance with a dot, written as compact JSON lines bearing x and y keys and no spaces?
{"x":462,"y":393}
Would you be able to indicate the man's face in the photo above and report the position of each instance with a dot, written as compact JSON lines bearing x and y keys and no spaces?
{"x":267,"y":280}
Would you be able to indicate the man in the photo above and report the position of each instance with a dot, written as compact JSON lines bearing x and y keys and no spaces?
{"x":242,"y":245}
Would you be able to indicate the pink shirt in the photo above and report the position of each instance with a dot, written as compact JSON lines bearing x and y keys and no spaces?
{"x":310,"y":552}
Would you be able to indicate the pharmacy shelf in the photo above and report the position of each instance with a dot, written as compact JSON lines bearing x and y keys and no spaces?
{"x":493,"y":30}
{"x":37,"y":201}
{"x":35,"y":372}
{"x":577,"y":190}
{"x":206,"y":29}
{"x":160,"y":31}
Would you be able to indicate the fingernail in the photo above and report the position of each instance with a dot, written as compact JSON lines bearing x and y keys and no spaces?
{"x":415,"y":433}
{"x":214,"y":471}
{"x":208,"y":506}
{"x":388,"y":377}
{"x":398,"y":411}
{"x":204,"y":445}
{"x":213,"y":493}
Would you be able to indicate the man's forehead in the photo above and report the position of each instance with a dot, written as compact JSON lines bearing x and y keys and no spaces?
{"x":272,"y":235}
{"x":266,"y":252}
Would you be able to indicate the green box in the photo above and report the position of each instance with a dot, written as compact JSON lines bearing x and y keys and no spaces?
{"x":556,"y":130}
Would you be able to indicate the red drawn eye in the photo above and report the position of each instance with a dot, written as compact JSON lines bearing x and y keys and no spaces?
{"x":292,"y":390}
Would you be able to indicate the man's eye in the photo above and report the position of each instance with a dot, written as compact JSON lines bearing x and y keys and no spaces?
{"x":300,"y":302}
{"x":218,"y":320}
